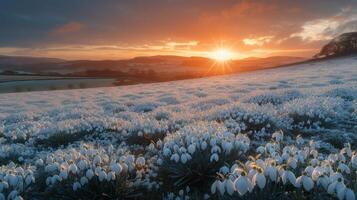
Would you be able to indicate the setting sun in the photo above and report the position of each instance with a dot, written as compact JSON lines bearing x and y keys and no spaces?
{"x":222,"y":55}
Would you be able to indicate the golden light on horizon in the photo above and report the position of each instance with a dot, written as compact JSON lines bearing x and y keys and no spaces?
{"x":222,"y":55}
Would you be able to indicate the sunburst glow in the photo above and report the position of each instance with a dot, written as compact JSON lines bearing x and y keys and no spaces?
{"x":222,"y":55}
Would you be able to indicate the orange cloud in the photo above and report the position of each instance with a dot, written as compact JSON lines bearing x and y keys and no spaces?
{"x":67,"y":28}
{"x":257,"y":41}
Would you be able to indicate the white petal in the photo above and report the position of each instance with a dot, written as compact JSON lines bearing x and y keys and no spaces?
{"x":350,"y":195}
{"x":230,"y":187}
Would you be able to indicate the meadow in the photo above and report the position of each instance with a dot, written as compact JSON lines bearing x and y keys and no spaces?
{"x":283,"y":133}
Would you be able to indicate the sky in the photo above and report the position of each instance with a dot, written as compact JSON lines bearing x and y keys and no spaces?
{"x":117,"y":29}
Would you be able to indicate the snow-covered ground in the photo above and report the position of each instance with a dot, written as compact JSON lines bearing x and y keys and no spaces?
{"x":178,"y":137}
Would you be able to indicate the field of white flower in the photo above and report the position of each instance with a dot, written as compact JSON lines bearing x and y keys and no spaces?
{"x":285,"y":133}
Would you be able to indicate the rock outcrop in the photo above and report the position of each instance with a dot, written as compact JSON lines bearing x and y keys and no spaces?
{"x":344,"y":44}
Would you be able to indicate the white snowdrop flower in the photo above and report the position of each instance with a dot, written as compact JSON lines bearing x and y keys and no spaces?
{"x":182,"y":150}
{"x":299,"y":140}
{"x":76,"y":186}
{"x":336,"y":186}
{"x":48,"y":181}
{"x":140,"y":133}
{"x":73,"y":168}
{"x":278,"y":136}
{"x":105,"y":158}
{"x":344,"y":168}
{"x":260,"y":163}
{"x":5,"y":185}
{"x":13,"y":194}
{"x":12,"y":179}
{"x":350,"y":194}
{"x":124,"y":167}
{"x":341,"y":158}
{"x":230,"y":188}
{"x":259,"y":179}
{"x":39,"y":162}
{"x":252,"y":172}
{"x":56,"y":178}
{"x":159,"y":161}
{"x":191,"y":148}
{"x":347,"y":150}
{"x":314,"y":162}
{"x":214,"y":158}
{"x":110,"y":149}
{"x":206,"y":196}
{"x":89,"y":174}
{"x":176,"y":148}
{"x":272,"y":172}
{"x":336,"y":176}
{"x":300,"y":158}
{"x":216,"y":149}
{"x":63,"y":174}
{"x":260,"y":149}
{"x":316,"y":173}
{"x":130,"y":159}
{"x":183,"y":158}
{"x":213,"y":142}
{"x":313,"y":144}
{"x":84,"y":180}
{"x":159,"y":143}
{"x":175,"y":157}
{"x":332,"y":158}
{"x":188,"y":189}
{"x":82,"y":164}
{"x":288,"y":177}
{"x":214,"y":187}
{"x":305,"y":181}
{"x":221,"y":186}
{"x":140,"y":161}
{"x":314,"y":153}
{"x":341,"y":194}
{"x":292,"y":162}
{"x":309,"y":170}
{"x":111,"y":176}
{"x":1,"y":186}
{"x":97,"y":160}
{"x":237,"y":172}
{"x":49,"y":160}
{"x":204,"y":145}
{"x":234,"y":166}
{"x":188,"y":156}
{"x":102,"y":175}
{"x":116,"y":167}
{"x":151,"y":147}
{"x":181,"y":192}
{"x":285,"y":156}
{"x":323,"y":181}
{"x":224,"y":170}
{"x":227,"y":147}
{"x":167,"y":152}
{"x":29,"y":179}
{"x":243,"y":185}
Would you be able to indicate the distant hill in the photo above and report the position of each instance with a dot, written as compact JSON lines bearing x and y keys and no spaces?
{"x":345,"y":44}
{"x":23,"y":60}
{"x":162,"y":64}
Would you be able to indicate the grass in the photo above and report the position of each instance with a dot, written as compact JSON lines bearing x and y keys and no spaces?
{"x":198,"y":173}
{"x":62,"y":139}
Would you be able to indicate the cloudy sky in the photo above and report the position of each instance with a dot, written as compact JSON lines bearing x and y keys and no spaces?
{"x":111,"y":29}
